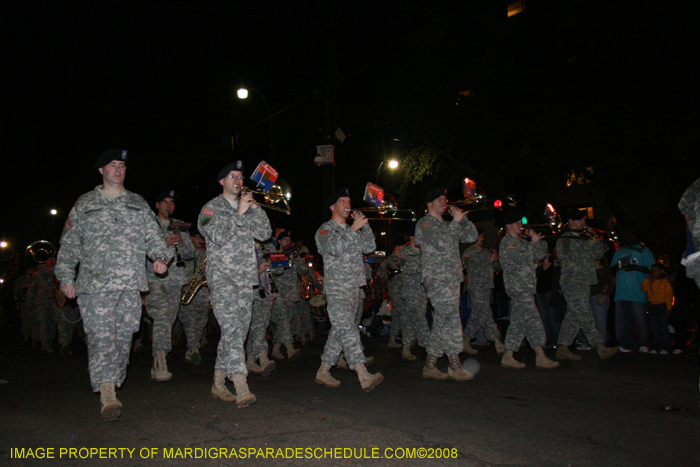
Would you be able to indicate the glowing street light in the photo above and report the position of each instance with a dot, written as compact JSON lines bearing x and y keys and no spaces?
{"x":242,"y":93}
{"x":53,"y":212}
{"x":3,"y":245}
{"x":393,"y":164}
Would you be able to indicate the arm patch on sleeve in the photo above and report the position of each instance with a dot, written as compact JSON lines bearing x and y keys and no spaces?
{"x":68,"y":224}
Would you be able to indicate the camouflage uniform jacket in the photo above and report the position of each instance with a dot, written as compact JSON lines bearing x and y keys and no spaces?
{"x":22,"y":286}
{"x":394,"y":284}
{"x":479,"y":269}
{"x":231,"y":240}
{"x":174,"y":275}
{"x":412,"y":268}
{"x":342,"y":249}
{"x":439,"y":241}
{"x":110,"y":239}
{"x":288,"y":280}
{"x":689,"y":206}
{"x":42,"y":287}
{"x":519,"y":261}
{"x":577,"y":259}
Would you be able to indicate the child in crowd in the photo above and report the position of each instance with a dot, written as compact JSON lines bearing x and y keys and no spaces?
{"x":660,"y":299}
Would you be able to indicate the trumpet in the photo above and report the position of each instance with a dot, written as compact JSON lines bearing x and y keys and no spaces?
{"x":272,"y":197}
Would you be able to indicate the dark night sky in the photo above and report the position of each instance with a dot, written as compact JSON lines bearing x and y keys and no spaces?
{"x":158,"y":78}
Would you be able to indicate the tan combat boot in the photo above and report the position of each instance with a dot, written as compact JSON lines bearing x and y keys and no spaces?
{"x":323,"y":376}
{"x":291,"y":351}
{"x":407,"y":355}
{"x":563,"y":353}
{"x":219,"y":389}
{"x":456,"y":371}
{"x":508,"y":361}
{"x":467,"y":347}
{"x":266,"y":365}
{"x":392,"y":344}
{"x":368,"y":381}
{"x":252,"y":366}
{"x":500,"y":348}
{"x":276,"y":354}
{"x":542,"y":362}
{"x":244,"y":397}
{"x":606,"y":353}
{"x":160,"y":372}
{"x":430,"y":371}
{"x":111,"y":407}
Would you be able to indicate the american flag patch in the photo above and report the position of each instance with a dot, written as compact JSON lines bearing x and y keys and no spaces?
{"x":209,"y":212}
{"x":68,"y":224}
{"x":426,"y":225}
{"x":512,"y":247}
{"x":323,"y":232}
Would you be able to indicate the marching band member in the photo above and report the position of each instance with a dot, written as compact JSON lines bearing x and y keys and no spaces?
{"x":230,"y":224}
{"x":194,"y":316}
{"x":577,"y":275}
{"x":264,"y":296}
{"x":519,"y":260}
{"x":109,"y":232}
{"x":480,"y":263}
{"x":163,"y":298}
{"x":442,"y":274}
{"x":415,"y":324}
{"x":342,"y":246}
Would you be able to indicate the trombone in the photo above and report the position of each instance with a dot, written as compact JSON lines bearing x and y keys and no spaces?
{"x":271,"y":198}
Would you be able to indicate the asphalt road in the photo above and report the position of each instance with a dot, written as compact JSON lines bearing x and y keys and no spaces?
{"x":635,"y":410}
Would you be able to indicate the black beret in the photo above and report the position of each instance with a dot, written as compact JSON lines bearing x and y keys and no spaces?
{"x":576,"y":214}
{"x":512,"y":217}
{"x":284,"y":233}
{"x":411,"y":231}
{"x":434,"y":194}
{"x":165,"y":194}
{"x":343,"y":192}
{"x":238,"y":165}
{"x":109,"y":156}
{"x":401,"y":240}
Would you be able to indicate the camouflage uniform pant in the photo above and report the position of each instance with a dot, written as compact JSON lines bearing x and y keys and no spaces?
{"x":110,"y":319}
{"x":162,"y":303}
{"x":578,"y":315}
{"x":302,"y":323}
{"x":47,"y":323}
{"x":398,"y":309}
{"x":282,"y":317}
{"x":415,"y":325}
{"x":446,"y":335}
{"x":67,"y":318}
{"x":194,"y":317}
{"x":481,"y":316}
{"x":257,"y":340}
{"x":344,"y":336}
{"x":525,"y":322}
{"x":233,"y":306}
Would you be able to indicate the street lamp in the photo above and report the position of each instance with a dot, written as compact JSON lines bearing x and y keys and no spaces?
{"x":242,"y":94}
{"x":53,"y":212}
{"x":393,"y":164}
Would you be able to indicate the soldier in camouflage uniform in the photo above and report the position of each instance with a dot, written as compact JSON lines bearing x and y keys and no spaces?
{"x":264,"y":296}
{"x":342,"y":246}
{"x":689,"y":206}
{"x":109,"y":232}
{"x":163,"y":298}
{"x":394,"y":284}
{"x":441,"y":275}
{"x":519,"y":260}
{"x":230,"y":223}
{"x":287,"y":281}
{"x":42,"y":298}
{"x":415,"y":325}
{"x":194,"y":316}
{"x":21,"y":288}
{"x":578,"y":273}
{"x":480,"y":263}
